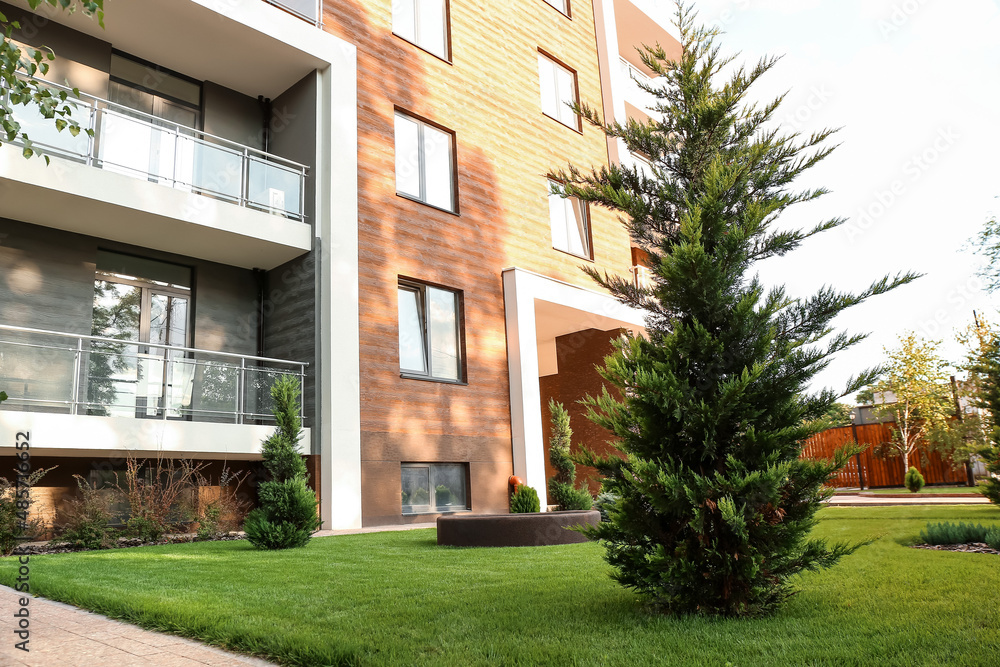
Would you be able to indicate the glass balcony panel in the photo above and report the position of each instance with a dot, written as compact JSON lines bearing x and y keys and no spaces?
{"x":214,"y":388}
{"x":257,"y":401}
{"x":307,"y":9}
{"x":274,"y":188}
{"x":214,"y":170}
{"x":36,"y":372}
{"x":42,"y":131}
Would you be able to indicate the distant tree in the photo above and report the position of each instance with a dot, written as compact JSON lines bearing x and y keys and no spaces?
{"x":561,"y":486}
{"x":916,"y":374}
{"x":987,"y":244}
{"x":714,"y":504}
{"x":838,"y":415}
{"x":17,"y":62}
{"x":987,"y":370}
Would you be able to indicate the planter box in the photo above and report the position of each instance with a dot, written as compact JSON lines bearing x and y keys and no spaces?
{"x":538,"y":529}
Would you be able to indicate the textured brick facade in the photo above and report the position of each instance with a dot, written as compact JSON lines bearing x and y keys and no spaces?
{"x":489,"y":96}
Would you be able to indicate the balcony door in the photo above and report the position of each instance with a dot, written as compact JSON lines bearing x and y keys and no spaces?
{"x":146,"y":305}
{"x":149,"y":129}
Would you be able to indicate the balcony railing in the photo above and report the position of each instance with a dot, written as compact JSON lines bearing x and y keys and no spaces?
{"x":307,"y":10}
{"x":143,"y":146}
{"x":49,"y":371}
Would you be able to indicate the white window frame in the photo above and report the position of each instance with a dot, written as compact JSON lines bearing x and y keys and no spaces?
{"x":561,"y":6}
{"x":586,"y":239}
{"x":424,"y":314}
{"x":405,"y":160}
{"x":554,"y":104}
{"x":432,"y":506}
{"x":421,"y":12}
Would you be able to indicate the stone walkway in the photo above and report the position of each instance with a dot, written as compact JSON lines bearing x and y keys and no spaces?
{"x":61,"y":635}
{"x":64,"y":636}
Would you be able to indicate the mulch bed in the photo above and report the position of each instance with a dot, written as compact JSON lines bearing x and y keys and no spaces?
{"x":972,"y":548}
{"x":39,"y":548}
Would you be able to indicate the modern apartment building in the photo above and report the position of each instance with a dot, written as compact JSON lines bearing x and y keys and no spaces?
{"x":353,"y":192}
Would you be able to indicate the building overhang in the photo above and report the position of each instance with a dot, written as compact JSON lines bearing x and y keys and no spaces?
{"x":77,"y":198}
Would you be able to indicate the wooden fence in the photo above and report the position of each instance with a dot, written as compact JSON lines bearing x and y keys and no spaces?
{"x":876,"y":471}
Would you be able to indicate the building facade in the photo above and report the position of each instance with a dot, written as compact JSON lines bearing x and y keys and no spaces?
{"x":351,"y":192}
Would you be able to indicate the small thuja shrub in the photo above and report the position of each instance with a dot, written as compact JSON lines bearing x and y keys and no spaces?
{"x":524,"y":500}
{"x":84,"y":520}
{"x":913,"y":481}
{"x":16,"y":520}
{"x":955,"y":533}
{"x":561,"y":487}
{"x":286,"y":517}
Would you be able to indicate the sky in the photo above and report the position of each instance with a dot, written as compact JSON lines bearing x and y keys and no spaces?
{"x":914,"y":86}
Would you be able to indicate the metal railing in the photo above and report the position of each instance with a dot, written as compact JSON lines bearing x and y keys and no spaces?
{"x":56,"y":372}
{"x":307,"y":10}
{"x":144,"y":146}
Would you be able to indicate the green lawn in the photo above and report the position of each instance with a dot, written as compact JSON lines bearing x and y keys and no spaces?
{"x":398,"y":599}
{"x":926,"y":490}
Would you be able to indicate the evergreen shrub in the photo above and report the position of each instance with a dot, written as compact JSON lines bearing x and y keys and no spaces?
{"x":286,"y":517}
{"x":561,"y":487}
{"x":913,"y":480}
{"x":524,"y":500}
{"x":955,"y":533}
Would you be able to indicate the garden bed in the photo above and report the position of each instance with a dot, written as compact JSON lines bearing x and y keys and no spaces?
{"x":535,"y":529}
{"x":973,"y":547}
{"x":56,"y":547}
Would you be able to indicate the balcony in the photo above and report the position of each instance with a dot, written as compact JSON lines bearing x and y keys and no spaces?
{"x":143,"y":146}
{"x":68,"y":374}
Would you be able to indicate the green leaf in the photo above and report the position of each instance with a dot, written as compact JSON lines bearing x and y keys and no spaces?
{"x":74,"y":130}
{"x":27,"y":152}
{"x":60,"y":124}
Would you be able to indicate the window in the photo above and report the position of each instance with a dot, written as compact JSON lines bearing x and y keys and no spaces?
{"x":558,"y":85}
{"x":424,"y":23}
{"x":434,"y":487}
{"x":425,"y":163}
{"x":138,"y":300}
{"x":561,"y":5}
{"x":568,"y":217}
{"x":430,"y":337}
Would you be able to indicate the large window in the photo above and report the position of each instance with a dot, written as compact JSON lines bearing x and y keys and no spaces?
{"x":558,"y":85}
{"x":570,"y":226}
{"x":424,"y":23}
{"x":138,"y":300}
{"x":425,"y":162}
{"x":434,"y":487}
{"x":430,"y":336}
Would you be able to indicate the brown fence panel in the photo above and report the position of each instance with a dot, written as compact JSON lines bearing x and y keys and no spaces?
{"x":878,"y":471}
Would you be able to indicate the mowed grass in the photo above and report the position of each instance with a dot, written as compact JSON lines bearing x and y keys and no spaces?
{"x":398,"y":599}
{"x":969,"y":490}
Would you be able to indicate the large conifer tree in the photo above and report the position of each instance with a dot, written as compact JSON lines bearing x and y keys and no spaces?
{"x":715,"y":505}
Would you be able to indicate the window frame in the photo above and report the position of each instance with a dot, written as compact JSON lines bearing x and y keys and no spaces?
{"x":569,"y":9}
{"x":421,"y":160}
{"x":447,"y":32}
{"x":577,"y":126}
{"x":433,"y":507}
{"x":585,"y":208}
{"x":420,"y":287}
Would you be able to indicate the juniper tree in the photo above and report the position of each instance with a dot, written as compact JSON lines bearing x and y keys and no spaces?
{"x":561,"y":487}
{"x":715,"y":505}
{"x":286,"y":517}
{"x":986,"y":368}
